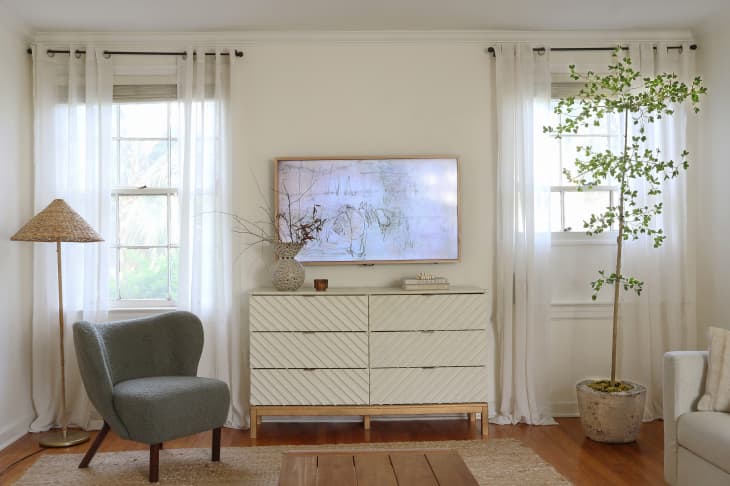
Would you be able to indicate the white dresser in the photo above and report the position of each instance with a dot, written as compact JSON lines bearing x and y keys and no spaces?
{"x":364,"y":352}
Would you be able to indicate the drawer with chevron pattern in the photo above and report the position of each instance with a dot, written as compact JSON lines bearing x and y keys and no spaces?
{"x":308,"y":313}
{"x":309,"y":387}
{"x":427,"y":312}
{"x":428,"y":385}
{"x":309,"y":350}
{"x":428,"y":348}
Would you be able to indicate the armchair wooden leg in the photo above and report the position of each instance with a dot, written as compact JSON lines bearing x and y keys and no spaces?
{"x":94,"y":446}
{"x":154,"y":463}
{"x":216,"y":449}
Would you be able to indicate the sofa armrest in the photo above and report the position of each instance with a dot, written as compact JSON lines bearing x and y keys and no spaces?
{"x":684,"y":383}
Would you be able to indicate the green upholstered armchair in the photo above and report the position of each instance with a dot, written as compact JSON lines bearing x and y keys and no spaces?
{"x":141,"y":376}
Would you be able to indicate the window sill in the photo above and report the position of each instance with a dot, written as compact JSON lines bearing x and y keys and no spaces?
{"x":582,"y":239}
{"x":132,"y":312}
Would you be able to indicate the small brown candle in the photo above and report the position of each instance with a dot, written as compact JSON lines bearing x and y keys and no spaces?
{"x":320,"y":284}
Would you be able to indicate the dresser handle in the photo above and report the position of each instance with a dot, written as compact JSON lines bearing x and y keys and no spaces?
{"x":428,"y":367}
{"x":309,"y":369}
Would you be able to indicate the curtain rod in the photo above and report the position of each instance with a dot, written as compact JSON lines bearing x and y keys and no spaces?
{"x":53,"y":52}
{"x":490,"y":50}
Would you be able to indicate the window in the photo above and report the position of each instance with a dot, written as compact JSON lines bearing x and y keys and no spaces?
{"x":570,"y":207}
{"x":145,"y":183}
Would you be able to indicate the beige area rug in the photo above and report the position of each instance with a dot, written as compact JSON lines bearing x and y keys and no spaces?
{"x":493,"y":462}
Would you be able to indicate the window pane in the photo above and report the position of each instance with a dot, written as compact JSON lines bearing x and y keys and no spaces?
{"x":115,"y":223}
{"x":174,"y":220}
{"x":113,"y":289}
{"x":143,"y":274}
{"x":175,"y":180}
{"x":115,"y":160}
{"x":115,"y":120}
{"x":143,"y":220}
{"x":143,"y":120}
{"x":580,"y":205}
{"x":555,"y":212}
{"x":174,"y":272}
{"x":143,"y":163}
{"x":175,"y":119}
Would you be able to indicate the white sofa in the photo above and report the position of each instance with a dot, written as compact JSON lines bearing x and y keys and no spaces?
{"x":696,"y":444}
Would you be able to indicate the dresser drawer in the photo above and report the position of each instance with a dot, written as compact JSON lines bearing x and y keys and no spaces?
{"x":309,"y":387}
{"x":428,"y":385}
{"x":430,"y":312}
{"x":429,"y":348}
{"x":308,"y":313}
{"x":309,"y":350}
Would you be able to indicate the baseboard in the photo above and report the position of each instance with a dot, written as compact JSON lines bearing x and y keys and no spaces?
{"x":565,"y":409}
{"x":14,"y":430}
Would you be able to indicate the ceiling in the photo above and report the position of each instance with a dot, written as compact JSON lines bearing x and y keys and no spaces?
{"x":230,"y":15}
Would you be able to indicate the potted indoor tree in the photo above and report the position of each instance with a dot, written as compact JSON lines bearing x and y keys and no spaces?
{"x":611,"y":410}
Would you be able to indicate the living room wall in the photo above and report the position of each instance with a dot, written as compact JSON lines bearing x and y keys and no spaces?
{"x":16,"y":409}
{"x":369,"y":99}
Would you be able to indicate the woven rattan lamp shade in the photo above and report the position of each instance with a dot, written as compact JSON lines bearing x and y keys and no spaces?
{"x":58,"y":222}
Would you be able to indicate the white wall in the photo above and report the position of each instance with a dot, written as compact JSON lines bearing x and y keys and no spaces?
{"x":713,"y":167}
{"x":369,"y":99}
{"x":16,"y":188}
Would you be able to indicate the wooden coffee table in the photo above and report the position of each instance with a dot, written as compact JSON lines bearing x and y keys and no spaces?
{"x":441,"y":467}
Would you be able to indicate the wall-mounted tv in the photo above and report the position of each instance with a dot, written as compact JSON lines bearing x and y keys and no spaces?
{"x":376,"y":209}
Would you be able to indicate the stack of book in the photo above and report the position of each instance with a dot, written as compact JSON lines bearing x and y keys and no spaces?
{"x":435,"y":283}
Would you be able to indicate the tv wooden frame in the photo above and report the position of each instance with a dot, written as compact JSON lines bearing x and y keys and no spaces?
{"x":382,"y":157}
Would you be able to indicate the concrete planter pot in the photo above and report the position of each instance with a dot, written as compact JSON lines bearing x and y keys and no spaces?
{"x":611,"y":417}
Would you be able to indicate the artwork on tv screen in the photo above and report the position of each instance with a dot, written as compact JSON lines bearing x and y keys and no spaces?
{"x":376,"y":210}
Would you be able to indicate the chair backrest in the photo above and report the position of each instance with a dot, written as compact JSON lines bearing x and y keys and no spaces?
{"x":169,"y":344}
{"x":164,"y":345}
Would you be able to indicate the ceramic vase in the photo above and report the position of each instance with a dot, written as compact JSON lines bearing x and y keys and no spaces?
{"x":288,"y":274}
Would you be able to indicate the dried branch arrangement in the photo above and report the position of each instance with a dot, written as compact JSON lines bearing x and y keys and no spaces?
{"x":287,"y":225}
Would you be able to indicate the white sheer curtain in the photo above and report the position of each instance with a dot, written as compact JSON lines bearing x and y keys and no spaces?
{"x":208,"y":287}
{"x":72,"y":161}
{"x":663,"y":318}
{"x":523,"y":235}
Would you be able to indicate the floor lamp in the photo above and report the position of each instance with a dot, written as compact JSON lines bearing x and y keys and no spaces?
{"x":58,"y":223}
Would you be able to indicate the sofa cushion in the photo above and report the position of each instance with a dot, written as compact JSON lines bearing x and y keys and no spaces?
{"x":161,"y":408}
{"x":706,"y":434}
{"x":717,"y":385}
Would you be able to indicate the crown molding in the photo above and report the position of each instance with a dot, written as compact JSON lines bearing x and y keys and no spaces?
{"x":157,"y":40}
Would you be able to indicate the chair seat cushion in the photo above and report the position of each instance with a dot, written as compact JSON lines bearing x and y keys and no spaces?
{"x":707,"y":435}
{"x":161,"y":408}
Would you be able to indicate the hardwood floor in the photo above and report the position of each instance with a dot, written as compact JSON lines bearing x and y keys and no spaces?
{"x":581,"y":460}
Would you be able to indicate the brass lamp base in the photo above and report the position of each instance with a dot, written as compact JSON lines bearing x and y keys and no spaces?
{"x":57,"y":438}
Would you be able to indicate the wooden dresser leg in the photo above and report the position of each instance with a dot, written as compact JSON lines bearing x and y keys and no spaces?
{"x":254,"y":422}
{"x":366,"y":422}
{"x":485,"y":421}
